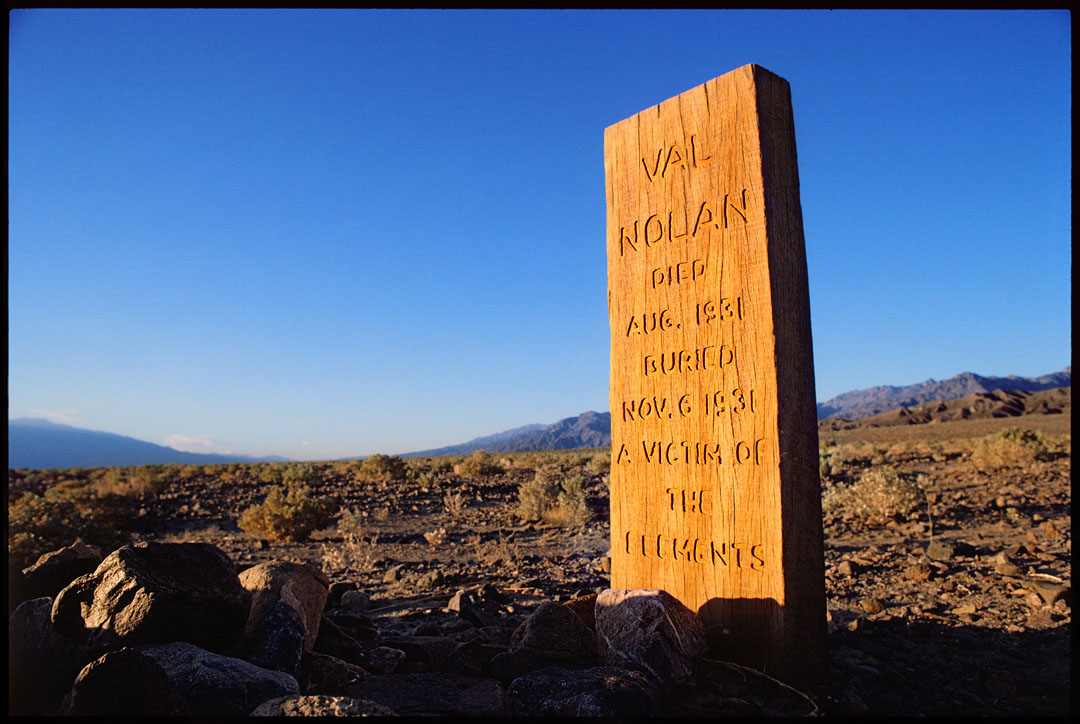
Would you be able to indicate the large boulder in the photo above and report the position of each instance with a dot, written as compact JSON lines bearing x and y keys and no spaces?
{"x":156,"y":592}
{"x":650,"y":632}
{"x":53,"y":571}
{"x":552,"y":636}
{"x":302,"y":586}
{"x":124,"y":682}
{"x":41,"y":663}
{"x":599,"y":691}
{"x":215,"y":685}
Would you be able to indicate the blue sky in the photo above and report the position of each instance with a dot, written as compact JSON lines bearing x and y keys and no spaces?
{"x":320,"y":234}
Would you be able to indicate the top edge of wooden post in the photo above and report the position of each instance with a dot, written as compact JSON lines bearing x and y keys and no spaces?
{"x":753,"y":69}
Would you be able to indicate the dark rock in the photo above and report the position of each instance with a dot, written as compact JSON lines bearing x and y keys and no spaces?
{"x":302,"y":586}
{"x":429,"y":651}
{"x":42,"y":664}
{"x":650,"y":632}
{"x":355,"y":601}
{"x":322,"y":674}
{"x":477,"y":611}
{"x":156,"y":592}
{"x":552,"y":636}
{"x":357,"y":625}
{"x":321,"y":705}
{"x":601,"y":691}
{"x":337,"y":590}
{"x":432,"y":694}
{"x":124,"y":682}
{"x":335,"y":641}
{"x":383,"y":659}
{"x":215,"y":685}
{"x":54,"y":571}
{"x":278,"y":640}
{"x":585,"y":608}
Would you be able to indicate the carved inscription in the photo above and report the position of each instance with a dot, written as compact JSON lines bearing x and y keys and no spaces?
{"x":710,"y":349}
{"x":672,"y":227}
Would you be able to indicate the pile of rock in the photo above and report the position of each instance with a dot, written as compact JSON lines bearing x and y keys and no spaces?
{"x":173,"y":629}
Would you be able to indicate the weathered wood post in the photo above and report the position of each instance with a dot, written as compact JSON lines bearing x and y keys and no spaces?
{"x":715,"y":494}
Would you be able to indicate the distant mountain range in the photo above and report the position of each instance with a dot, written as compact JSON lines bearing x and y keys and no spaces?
{"x":40,"y":444}
{"x":36,"y":443}
{"x":589,"y":429}
{"x":876,"y":400}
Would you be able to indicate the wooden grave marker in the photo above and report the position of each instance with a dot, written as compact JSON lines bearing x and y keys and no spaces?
{"x":715,"y":493}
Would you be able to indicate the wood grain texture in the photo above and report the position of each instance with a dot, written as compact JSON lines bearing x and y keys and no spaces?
{"x":714,"y":482}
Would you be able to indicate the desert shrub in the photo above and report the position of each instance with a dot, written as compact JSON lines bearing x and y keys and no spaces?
{"x":300,"y":475}
{"x":1011,"y":447}
{"x":538,"y":495}
{"x":600,"y":462}
{"x":478,"y":465}
{"x":425,"y":480}
{"x":136,"y":482}
{"x":877,"y":496}
{"x":38,"y":524}
{"x":454,"y":504}
{"x":570,"y":507}
{"x":381,"y":468}
{"x":356,"y":553}
{"x":288,"y":513}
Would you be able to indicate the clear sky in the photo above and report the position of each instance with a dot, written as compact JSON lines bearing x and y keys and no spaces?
{"x":324,"y":234}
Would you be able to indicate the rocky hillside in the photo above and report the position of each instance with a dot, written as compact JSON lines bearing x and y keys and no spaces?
{"x":858,"y":404}
{"x":979,"y":406}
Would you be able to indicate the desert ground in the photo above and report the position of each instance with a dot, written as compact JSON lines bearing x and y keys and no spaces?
{"x":947,"y":554}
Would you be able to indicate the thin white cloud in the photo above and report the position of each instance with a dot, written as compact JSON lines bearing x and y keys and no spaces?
{"x":189,"y":444}
{"x":59,"y":415}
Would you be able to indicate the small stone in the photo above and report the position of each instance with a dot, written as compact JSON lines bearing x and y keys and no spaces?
{"x":1040,"y":619}
{"x":1007,"y":569}
{"x":918,"y":572}
{"x":871,"y":605}
{"x":1049,"y":592}
{"x":967,"y":608}
{"x":1034,"y":600}
{"x":356,"y":601}
{"x":393,"y":574}
{"x":847,"y":568}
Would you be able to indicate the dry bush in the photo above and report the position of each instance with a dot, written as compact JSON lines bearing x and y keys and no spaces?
{"x":38,"y":524}
{"x":1011,"y":447}
{"x":208,"y":534}
{"x":288,"y":514}
{"x":600,"y":462}
{"x":478,"y":465}
{"x":436,"y":537}
{"x":454,"y":504}
{"x":493,"y":553}
{"x":557,"y":502}
{"x":381,"y":468}
{"x":538,"y":495}
{"x":355,"y":554}
{"x":877,"y":496}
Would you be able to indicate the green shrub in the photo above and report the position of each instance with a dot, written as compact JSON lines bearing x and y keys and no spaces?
{"x":877,"y":496}
{"x":288,"y":513}
{"x":381,"y":468}
{"x":478,"y":465}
